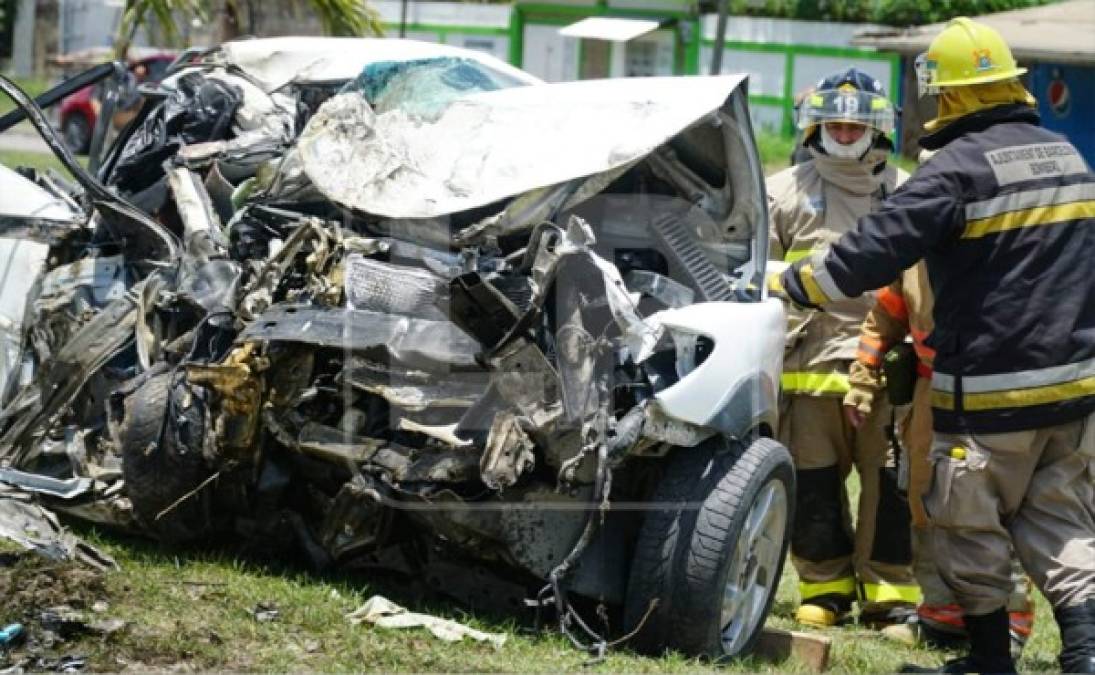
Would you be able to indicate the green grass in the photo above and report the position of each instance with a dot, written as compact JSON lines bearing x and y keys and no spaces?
{"x":192,"y":608}
{"x":32,"y":86}
{"x":858,"y":649}
{"x":37,"y":160}
{"x":775,"y":151}
{"x":904,"y":162}
{"x":195,"y":608}
{"x":33,"y":160}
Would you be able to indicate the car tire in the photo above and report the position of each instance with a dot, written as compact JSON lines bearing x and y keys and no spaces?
{"x":722,"y":523}
{"x":161,"y":458}
{"x":76,"y":131}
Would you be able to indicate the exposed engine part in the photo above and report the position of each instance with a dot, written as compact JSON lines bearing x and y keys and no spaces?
{"x":412,"y":390}
{"x":672,"y":432}
{"x":375,"y":286}
{"x":704,"y":278}
{"x":239,"y":385}
{"x":508,"y":454}
{"x":336,"y":445}
{"x":662,"y":288}
{"x":357,"y":520}
{"x":433,"y":346}
{"x":259,"y":294}
{"x":481,"y":309}
{"x":445,"y":434}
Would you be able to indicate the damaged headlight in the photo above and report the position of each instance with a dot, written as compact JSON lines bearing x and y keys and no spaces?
{"x":677,"y":351}
{"x":691,"y":349}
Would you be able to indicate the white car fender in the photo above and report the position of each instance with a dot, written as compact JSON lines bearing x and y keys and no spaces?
{"x":737,"y":385}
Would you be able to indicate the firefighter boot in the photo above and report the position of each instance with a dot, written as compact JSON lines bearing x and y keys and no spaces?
{"x":1077,"y":637}
{"x":821,"y":548}
{"x":823,"y":611}
{"x":942,"y":627}
{"x":990,"y":647}
{"x":1020,"y":625}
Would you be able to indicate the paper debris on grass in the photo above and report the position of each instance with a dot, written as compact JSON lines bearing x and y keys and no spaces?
{"x":384,"y":613}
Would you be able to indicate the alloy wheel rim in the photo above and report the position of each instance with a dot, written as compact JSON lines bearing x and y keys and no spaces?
{"x":752,"y":575}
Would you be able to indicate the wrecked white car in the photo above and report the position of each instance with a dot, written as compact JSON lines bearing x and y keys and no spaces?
{"x":403,"y":306}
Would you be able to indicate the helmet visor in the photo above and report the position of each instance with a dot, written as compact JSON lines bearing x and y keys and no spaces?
{"x":848,"y":104}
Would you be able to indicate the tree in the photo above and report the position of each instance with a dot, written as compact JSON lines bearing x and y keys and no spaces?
{"x":891,"y":12}
{"x":7,"y":26}
{"x":337,"y":17}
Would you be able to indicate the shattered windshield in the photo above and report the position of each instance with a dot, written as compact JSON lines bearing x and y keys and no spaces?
{"x":426,"y":85}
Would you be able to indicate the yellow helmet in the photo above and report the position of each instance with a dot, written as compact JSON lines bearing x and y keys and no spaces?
{"x":965,"y":53}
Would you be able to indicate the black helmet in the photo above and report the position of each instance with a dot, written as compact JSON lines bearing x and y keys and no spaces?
{"x":848,"y":96}
{"x":855,"y":77}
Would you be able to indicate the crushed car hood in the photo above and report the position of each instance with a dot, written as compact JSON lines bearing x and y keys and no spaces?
{"x":402,"y":165}
{"x":276,"y":62}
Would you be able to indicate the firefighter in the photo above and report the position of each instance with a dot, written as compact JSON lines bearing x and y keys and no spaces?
{"x":845,"y":121}
{"x":904,"y":309}
{"x":1004,"y":216}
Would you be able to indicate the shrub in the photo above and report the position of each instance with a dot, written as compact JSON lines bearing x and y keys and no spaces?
{"x":891,"y":12}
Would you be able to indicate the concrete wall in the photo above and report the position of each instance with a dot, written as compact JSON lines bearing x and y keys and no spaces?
{"x":558,"y":58}
{"x":480,"y":27}
{"x":87,"y":23}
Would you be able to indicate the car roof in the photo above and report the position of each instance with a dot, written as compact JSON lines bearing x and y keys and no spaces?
{"x":276,"y":62}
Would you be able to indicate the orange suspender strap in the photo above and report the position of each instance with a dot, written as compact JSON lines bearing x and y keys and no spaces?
{"x":870,"y":351}
{"x":894,"y":304}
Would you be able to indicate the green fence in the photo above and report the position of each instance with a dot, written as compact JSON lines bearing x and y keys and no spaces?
{"x":785,"y":101}
{"x":690,"y":46}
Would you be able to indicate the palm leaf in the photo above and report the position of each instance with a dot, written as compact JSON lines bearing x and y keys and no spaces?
{"x":166,"y":13}
{"x":347,"y":17}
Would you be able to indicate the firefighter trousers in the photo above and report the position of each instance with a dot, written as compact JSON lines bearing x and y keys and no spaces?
{"x":873,"y":560}
{"x":916,"y":439}
{"x":1034,"y":490}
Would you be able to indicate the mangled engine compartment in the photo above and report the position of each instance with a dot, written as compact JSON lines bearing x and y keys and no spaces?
{"x":334,"y":330}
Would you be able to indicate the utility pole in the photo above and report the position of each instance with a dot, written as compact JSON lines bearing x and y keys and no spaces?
{"x":22,"y":53}
{"x":720,"y":37}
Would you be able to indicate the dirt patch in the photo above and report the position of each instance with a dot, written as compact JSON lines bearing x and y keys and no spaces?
{"x":29,"y":583}
{"x":58,"y":605}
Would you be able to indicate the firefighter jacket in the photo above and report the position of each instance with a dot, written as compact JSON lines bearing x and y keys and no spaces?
{"x":1004,"y":215}
{"x":810,"y":205}
{"x":903,"y":308}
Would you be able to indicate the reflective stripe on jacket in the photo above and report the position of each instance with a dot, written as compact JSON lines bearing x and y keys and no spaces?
{"x":808,"y":213}
{"x":1004,"y":215}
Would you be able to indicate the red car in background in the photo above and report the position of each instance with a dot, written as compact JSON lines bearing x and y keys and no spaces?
{"x":80,"y":112}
